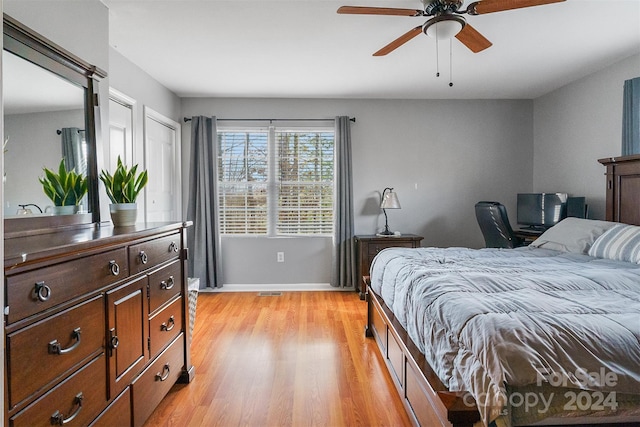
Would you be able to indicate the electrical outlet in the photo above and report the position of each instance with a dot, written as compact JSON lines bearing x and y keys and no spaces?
{"x":280,"y":256}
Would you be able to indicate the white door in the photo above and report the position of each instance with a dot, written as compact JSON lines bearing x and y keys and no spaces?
{"x":122,"y":114}
{"x":121,"y":119}
{"x":162,"y":161}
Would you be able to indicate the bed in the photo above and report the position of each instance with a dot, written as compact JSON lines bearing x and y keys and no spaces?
{"x":542,"y":335}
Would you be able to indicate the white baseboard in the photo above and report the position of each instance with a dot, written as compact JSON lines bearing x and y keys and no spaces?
{"x":274,"y":287}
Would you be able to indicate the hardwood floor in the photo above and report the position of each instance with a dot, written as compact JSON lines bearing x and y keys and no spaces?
{"x":299,"y":359}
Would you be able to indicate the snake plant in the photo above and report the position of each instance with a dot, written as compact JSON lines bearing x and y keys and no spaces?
{"x":65,"y":188}
{"x":125,"y":184}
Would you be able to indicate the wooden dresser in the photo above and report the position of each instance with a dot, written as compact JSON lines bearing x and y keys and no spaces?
{"x":95,"y":324}
{"x":368,"y":246}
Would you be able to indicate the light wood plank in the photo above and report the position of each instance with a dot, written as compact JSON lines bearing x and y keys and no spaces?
{"x":296,"y":359}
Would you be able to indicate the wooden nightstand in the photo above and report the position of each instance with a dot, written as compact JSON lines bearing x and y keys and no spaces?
{"x":367,"y":246}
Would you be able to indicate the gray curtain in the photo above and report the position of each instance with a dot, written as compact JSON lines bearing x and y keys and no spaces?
{"x":203,"y":237}
{"x":71,"y":149}
{"x":631,"y":117}
{"x":344,"y":272}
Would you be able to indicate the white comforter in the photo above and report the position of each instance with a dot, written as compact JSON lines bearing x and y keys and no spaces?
{"x":490,"y":317}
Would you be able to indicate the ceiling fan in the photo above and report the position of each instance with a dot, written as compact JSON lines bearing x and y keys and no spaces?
{"x":446,"y":20}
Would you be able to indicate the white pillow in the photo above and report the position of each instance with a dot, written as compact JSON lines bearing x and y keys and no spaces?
{"x":619,"y":243}
{"x":574,"y":235}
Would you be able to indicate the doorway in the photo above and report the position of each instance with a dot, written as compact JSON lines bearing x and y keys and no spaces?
{"x":162,"y":147}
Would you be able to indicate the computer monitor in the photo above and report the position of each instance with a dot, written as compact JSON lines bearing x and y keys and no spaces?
{"x":541,"y":210}
{"x":577,"y":207}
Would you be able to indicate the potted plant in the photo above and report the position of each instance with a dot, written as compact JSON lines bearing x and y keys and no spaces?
{"x":123,"y":188}
{"x":65,"y":188}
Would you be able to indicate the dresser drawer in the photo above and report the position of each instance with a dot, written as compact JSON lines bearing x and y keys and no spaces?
{"x":40,"y":353}
{"x":148,"y":254}
{"x":117,"y":414}
{"x":81,"y":397}
{"x":164,"y":284}
{"x":374,"y":248}
{"x":155,"y":382}
{"x":34,"y":291}
{"x":164,"y":326}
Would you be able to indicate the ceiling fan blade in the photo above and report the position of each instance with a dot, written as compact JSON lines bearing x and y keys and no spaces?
{"x":399,"y":41}
{"x":362,"y":10}
{"x":490,"y":6}
{"x":471,"y":38}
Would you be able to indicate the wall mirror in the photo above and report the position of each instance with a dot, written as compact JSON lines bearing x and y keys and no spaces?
{"x":50,"y":112}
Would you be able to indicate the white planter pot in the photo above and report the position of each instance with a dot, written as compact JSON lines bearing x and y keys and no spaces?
{"x":64,"y":210}
{"x":123,"y":214}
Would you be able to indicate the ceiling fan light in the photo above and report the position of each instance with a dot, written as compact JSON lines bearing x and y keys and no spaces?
{"x":443,"y":29}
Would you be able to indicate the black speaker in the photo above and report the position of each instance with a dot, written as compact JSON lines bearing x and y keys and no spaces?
{"x":577,"y":207}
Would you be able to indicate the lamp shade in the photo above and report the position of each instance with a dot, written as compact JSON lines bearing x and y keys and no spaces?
{"x":444,"y":27}
{"x":390,"y":201}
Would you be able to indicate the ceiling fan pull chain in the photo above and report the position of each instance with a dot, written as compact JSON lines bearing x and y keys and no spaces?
{"x":450,"y":63}
{"x":437,"y":60}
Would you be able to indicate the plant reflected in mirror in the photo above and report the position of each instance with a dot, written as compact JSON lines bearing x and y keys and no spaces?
{"x":38,"y":103}
{"x":65,"y":188}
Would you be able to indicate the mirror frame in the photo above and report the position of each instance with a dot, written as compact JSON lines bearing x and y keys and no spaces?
{"x":33,"y":47}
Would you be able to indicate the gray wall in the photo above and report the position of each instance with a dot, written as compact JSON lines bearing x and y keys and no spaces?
{"x":130,"y":80}
{"x":89,"y":20}
{"x":575,"y":126}
{"x":440,"y":156}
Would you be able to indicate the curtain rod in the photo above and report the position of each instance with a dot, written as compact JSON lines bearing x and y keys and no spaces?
{"x":353,"y":119}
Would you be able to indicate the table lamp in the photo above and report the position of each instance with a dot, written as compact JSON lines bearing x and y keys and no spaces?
{"x":389,"y":201}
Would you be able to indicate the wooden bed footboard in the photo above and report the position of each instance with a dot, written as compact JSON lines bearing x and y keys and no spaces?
{"x":425,"y":398}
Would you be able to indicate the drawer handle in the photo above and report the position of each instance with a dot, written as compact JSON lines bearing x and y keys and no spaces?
{"x":173,"y":247}
{"x":43,"y":292}
{"x":56,"y":348}
{"x":114,"y":268}
{"x":58,"y":419}
{"x":113,"y":338}
{"x":165,"y":327}
{"x":143,"y":257}
{"x":168,"y":284}
{"x":162,"y":376}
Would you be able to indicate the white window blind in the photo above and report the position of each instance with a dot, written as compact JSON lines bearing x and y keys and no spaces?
{"x":242,"y":182}
{"x":276,"y":181}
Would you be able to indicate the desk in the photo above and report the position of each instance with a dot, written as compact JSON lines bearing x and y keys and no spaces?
{"x":367,"y":246}
{"x":528,"y":236}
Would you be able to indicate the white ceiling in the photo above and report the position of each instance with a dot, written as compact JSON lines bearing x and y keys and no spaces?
{"x":304,"y":49}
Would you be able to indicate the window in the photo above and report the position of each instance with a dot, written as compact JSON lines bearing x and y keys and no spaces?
{"x":276,"y":182}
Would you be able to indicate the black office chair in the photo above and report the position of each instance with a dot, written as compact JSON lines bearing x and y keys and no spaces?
{"x":494,"y":224}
